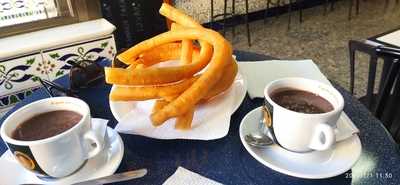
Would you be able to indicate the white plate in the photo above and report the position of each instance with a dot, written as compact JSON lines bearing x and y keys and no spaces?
{"x":104,"y":164}
{"x":211,"y":120}
{"x":120,"y":108}
{"x":313,"y":165}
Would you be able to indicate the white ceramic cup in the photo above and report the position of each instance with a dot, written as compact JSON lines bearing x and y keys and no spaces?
{"x":301,"y":132}
{"x":60,"y":155}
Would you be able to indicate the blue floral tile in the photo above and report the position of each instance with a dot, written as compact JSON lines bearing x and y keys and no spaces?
{"x":11,"y":75}
{"x":81,"y":54}
{"x":20,"y":73}
{"x":19,"y":76}
{"x":9,"y":100}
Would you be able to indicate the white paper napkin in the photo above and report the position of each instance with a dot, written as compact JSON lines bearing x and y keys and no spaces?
{"x":183,"y":176}
{"x":259,"y":74}
{"x":13,"y":173}
{"x":210,"y":120}
{"x":391,"y":38}
{"x":345,"y":128}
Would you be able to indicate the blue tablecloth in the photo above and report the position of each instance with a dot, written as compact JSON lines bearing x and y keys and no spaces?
{"x":226,"y":160}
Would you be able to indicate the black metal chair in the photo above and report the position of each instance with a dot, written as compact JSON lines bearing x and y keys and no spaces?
{"x":232,"y":15}
{"x":269,"y":3}
{"x":351,"y":2}
{"x":384,"y":105}
{"x":299,"y":5}
{"x":370,"y":99}
{"x":291,"y":4}
{"x":358,"y":6}
{"x":388,"y":102}
{"x":387,"y":3}
{"x":326,"y":5}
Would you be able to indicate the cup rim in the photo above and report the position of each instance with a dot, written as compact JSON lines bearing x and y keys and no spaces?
{"x":13,"y":141}
{"x":332,"y":89}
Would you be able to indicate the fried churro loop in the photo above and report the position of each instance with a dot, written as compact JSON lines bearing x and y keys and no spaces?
{"x":189,"y":98}
{"x":177,"y":89}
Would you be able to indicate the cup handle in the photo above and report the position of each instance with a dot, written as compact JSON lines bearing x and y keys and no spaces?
{"x":91,"y":137}
{"x":323,"y":137}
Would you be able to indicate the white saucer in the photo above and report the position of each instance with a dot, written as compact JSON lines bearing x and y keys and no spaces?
{"x":104,"y":164}
{"x":313,"y":165}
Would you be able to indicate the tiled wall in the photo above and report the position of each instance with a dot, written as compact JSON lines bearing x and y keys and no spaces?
{"x":19,"y":76}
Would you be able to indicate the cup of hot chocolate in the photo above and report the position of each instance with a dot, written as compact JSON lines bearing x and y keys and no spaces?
{"x":52,"y":137}
{"x":301,"y":114}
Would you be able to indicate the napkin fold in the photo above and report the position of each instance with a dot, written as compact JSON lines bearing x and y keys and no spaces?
{"x":345,"y":128}
{"x":259,"y":74}
{"x":183,"y":176}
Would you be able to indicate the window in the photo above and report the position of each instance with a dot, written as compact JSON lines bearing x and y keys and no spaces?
{"x":21,"y":16}
{"x":14,"y":12}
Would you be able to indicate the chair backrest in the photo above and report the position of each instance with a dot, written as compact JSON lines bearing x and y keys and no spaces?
{"x":388,"y":104}
{"x":370,"y":50}
{"x":369,"y":100}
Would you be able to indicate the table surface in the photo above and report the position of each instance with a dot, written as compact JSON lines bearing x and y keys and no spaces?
{"x":227,"y":161}
{"x":375,"y":37}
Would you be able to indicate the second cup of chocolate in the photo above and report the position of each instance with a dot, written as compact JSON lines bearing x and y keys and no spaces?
{"x":301,"y":114}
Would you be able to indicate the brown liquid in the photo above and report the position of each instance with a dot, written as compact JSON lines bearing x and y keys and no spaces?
{"x":46,"y":125}
{"x":301,"y":101}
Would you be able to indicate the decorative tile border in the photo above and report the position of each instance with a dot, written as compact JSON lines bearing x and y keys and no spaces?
{"x":10,"y":100}
{"x":89,"y":52}
{"x":11,"y":75}
{"x":19,"y":76}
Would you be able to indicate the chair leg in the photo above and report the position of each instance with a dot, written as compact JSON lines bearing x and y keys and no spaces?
{"x":233,"y":17}
{"x":290,"y":13}
{"x":391,"y":108}
{"x":212,"y":14}
{"x":384,"y":94}
{"x":386,"y":4}
{"x":247,"y":23}
{"x":352,"y":68}
{"x":325,"y":6}
{"x":396,"y":129}
{"x":266,"y":11}
{"x":333,"y":4}
{"x":224,"y":17}
{"x":300,"y":6}
{"x":371,"y":81}
{"x":357,"y":7}
{"x":278,"y":4}
{"x":350,"y":9}
{"x":385,"y":70}
{"x":390,"y":116}
{"x":395,"y":126}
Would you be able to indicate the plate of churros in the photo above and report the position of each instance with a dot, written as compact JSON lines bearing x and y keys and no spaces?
{"x":183,"y":83}
{"x":210,"y":120}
